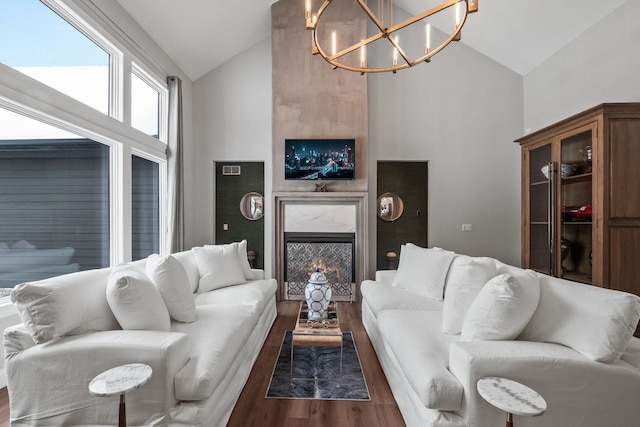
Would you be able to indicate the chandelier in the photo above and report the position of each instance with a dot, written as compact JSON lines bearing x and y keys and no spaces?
{"x":452,"y":15}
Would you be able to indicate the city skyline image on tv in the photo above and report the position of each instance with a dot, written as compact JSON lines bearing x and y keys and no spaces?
{"x":314,"y":159}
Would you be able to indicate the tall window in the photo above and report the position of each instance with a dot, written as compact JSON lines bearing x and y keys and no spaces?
{"x":66,"y":174}
{"x":54,"y":201}
{"x":37,"y":42}
{"x":145,"y":207}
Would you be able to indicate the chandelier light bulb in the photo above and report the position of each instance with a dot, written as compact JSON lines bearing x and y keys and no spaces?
{"x":334,"y":43}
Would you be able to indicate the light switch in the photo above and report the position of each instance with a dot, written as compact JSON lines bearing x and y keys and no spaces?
{"x":225,"y":227}
{"x":467,"y":227}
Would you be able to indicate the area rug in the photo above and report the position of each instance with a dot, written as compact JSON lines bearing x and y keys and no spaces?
{"x":316,"y":373}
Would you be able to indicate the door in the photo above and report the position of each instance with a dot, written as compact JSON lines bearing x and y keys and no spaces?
{"x":234,"y":180}
{"x":409,"y":182}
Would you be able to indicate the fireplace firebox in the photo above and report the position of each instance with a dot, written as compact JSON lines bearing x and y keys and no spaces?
{"x":331,"y":253}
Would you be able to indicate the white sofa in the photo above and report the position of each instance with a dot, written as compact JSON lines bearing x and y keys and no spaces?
{"x":570,"y":342}
{"x":78,"y":325}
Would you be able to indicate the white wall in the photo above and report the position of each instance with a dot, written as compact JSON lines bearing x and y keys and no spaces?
{"x":601,"y":65}
{"x":461,"y":113}
{"x":232,"y":122}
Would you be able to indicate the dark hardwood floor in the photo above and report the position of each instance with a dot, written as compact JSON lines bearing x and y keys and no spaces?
{"x":253,"y":409}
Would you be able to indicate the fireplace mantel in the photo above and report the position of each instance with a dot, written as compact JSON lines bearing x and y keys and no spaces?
{"x":319,"y":206}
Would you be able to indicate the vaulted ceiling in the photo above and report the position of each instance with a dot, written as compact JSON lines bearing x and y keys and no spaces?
{"x":200,"y":35}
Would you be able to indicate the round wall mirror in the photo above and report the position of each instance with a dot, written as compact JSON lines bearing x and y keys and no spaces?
{"x":252,"y":206}
{"x":390,"y":206}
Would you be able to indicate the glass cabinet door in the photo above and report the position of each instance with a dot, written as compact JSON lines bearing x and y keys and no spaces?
{"x":540,"y":250}
{"x":576,"y":199}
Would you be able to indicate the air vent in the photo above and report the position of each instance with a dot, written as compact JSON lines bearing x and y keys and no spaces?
{"x":231,"y":170}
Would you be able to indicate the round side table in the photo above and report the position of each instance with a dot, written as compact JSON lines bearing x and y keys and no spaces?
{"x":120,"y":380}
{"x":511,"y":397}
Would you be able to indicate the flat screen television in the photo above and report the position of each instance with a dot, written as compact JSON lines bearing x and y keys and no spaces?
{"x":313,"y":159}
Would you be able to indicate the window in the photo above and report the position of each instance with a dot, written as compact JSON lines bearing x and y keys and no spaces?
{"x":147,"y":103}
{"x":145,"y":207}
{"x":66,"y":175}
{"x":54,"y":204}
{"x":52,"y":51}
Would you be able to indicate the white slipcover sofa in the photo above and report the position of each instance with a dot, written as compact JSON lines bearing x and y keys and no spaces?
{"x":199,"y":318}
{"x":443,"y":321}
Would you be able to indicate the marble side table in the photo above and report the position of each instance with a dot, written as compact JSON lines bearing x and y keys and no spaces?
{"x":120,"y":380}
{"x":511,"y":397}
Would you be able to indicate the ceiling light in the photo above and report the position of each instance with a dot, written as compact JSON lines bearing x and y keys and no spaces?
{"x":387,"y":31}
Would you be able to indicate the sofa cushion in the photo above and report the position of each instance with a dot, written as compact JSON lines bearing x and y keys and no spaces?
{"x":593,"y":321}
{"x":422,"y":352}
{"x":188,"y":261}
{"x":466,"y":277}
{"x":502,"y":308}
{"x":381,"y":296}
{"x":423,"y":270}
{"x":173,"y":284}
{"x":135,"y":301}
{"x":65,"y":305}
{"x":253,"y":293}
{"x":218,"y":266}
{"x":215,"y":341}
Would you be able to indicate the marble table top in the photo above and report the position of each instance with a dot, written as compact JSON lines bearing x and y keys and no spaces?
{"x":120,"y":379}
{"x":511,"y":396}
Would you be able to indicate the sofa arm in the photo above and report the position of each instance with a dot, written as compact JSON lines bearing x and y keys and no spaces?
{"x":575,"y":388}
{"x":385,"y":276}
{"x":48,"y":383}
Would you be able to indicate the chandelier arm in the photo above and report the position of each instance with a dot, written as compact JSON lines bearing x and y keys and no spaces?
{"x":347,"y":50}
{"x":423,"y":15}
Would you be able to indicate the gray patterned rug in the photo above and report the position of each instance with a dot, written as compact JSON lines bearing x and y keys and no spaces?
{"x":316,"y":373}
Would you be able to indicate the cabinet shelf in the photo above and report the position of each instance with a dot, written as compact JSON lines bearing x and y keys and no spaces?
{"x":574,"y":179}
{"x":545,"y":182}
{"x":589,"y":223}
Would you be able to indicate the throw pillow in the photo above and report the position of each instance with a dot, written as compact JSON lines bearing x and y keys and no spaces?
{"x":135,"y":301}
{"x":171,"y":279}
{"x":244,"y":261}
{"x":466,"y":278}
{"x":218,"y":266}
{"x":423,"y":270}
{"x":596,"y":322}
{"x":65,"y":305}
{"x":502,"y":308}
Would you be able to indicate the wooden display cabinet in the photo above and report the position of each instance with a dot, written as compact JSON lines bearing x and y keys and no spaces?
{"x":581,"y":221}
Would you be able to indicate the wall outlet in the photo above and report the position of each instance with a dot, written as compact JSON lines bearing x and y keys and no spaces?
{"x":467,"y":227}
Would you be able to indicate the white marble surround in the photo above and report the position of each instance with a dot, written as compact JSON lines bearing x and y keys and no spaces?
{"x":331,"y":212}
{"x":305,"y":218}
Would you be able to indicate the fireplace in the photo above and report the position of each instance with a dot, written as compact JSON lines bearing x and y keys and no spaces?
{"x":331,"y":253}
{"x":329,"y":229}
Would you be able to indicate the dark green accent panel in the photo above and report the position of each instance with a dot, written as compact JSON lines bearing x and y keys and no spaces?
{"x":409,"y":181}
{"x":229,"y":191}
